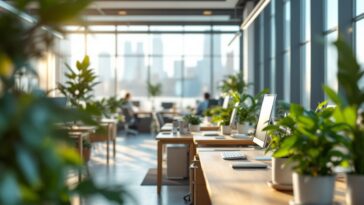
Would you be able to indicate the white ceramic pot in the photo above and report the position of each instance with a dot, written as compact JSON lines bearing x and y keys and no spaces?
{"x":281,"y":172}
{"x":355,"y":186}
{"x":313,"y":190}
{"x":243,"y":128}
{"x":194,"y":128}
{"x":225,"y":130}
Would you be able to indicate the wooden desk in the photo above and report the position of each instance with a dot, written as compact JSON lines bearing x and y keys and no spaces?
{"x":226,"y":141}
{"x":168,"y":127}
{"x":227,"y":186}
{"x":79,"y":136}
{"x":111,"y":125}
{"x":169,"y":138}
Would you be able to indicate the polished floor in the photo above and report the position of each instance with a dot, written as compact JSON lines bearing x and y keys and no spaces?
{"x":135,"y":155}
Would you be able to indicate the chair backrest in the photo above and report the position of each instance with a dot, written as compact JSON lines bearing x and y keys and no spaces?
{"x":159,"y":119}
{"x":128,"y":114}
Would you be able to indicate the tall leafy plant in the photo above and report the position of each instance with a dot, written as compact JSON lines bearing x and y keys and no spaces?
{"x":35,"y":157}
{"x":222,"y":116}
{"x":154,"y":89}
{"x":248,"y":106}
{"x":80,"y":83}
{"x":350,"y":103}
{"x":233,"y":83}
{"x":278,"y":132}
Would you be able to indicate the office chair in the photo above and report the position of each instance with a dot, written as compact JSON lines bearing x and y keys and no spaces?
{"x":129,"y":121}
{"x":158,"y":117}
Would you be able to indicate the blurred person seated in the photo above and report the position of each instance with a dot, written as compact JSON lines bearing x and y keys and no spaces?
{"x":202,"y":106}
{"x":131,"y":119}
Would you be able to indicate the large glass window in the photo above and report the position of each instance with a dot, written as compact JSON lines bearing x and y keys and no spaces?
{"x":359,"y":31}
{"x":102,"y":53}
{"x":331,"y":14}
{"x":330,"y":35}
{"x":286,"y":51}
{"x":273,"y":47}
{"x":305,"y":52}
{"x":359,"y":7}
{"x":261,"y":51}
{"x":186,"y":63}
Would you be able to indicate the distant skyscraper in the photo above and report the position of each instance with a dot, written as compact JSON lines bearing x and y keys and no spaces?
{"x":106,"y":75}
{"x":230,"y":62}
{"x":157,"y":60}
{"x":129,"y":63}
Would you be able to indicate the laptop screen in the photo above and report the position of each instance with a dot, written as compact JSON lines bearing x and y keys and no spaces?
{"x":260,"y":137}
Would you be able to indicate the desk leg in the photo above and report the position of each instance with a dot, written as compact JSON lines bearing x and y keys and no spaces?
{"x":107,"y":147}
{"x":159,"y":166}
{"x":192,"y":151}
{"x":80,"y":147}
{"x":114,"y":139}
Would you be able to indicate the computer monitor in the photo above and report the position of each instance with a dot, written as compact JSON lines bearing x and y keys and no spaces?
{"x":136,"y":103}
{"x":226,"y":102}
{"x":212,"y":103}
{"x":265,"y":114}
{"x":233,"y":114}
{"x":167,"y":105}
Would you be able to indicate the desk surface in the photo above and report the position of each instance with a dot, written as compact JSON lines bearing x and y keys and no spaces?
{"x":168,"y":136}
{"x":203,"y":127}
{"x":227,"y":140}
{"x":227,"y":186}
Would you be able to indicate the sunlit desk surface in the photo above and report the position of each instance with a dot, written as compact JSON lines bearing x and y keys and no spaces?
{"x":227,"y":186}
{"x":218,"y":141}
{"x":168,"y":138}
{"x":203,"y":127}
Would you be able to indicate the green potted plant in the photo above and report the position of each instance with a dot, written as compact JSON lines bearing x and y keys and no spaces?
{"x":313,"y":149}
{"x":153,"y":91}
{"x":193,"y":121}
{"x":80,"y":84}
{"x":222,"y":118}
{"x":281,"y":170}
{"x":233,"y":83}
{"x":248,"y":107}
{"x":349,"y":110}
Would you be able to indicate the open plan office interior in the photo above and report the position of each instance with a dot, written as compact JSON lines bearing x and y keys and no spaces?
{"x":181,"y":102}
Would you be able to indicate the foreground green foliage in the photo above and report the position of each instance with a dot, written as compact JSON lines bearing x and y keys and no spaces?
{"x":311,"y":139}
{"x":349,"y":105}
{"x":35,"y":156}
{"x":278,"y":132}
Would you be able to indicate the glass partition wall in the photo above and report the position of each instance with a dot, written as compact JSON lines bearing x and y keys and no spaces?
{"x":186,"y":60}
